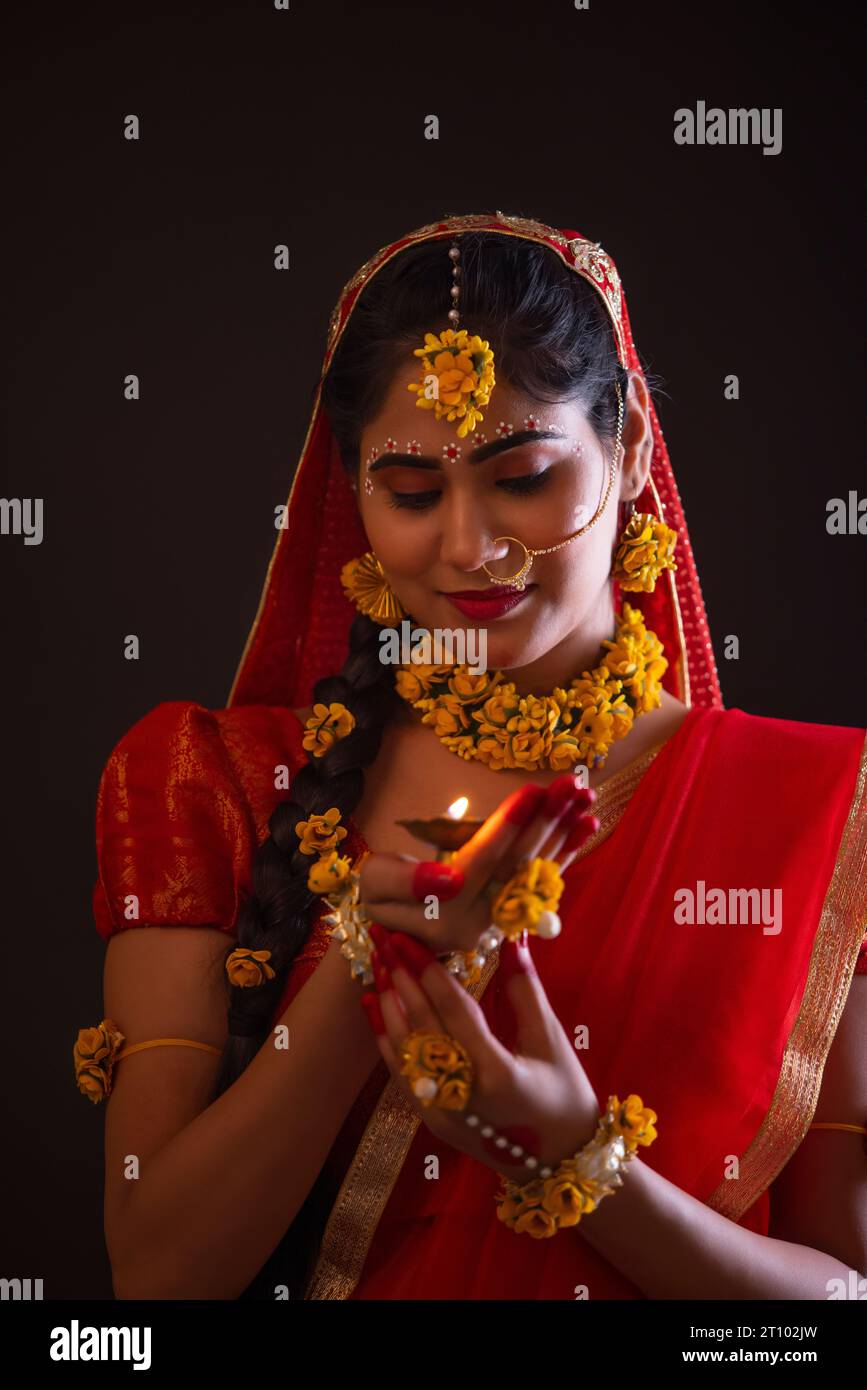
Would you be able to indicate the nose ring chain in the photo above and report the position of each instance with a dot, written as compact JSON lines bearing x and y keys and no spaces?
{"x":519,"y":579}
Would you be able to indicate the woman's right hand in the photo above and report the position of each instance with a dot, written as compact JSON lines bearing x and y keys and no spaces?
{"x":552,"y":822}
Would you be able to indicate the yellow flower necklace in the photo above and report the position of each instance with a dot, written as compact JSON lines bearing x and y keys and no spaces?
{"x":483,"y":718}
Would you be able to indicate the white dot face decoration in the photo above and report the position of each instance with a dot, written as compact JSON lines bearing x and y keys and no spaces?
{"x":452,"y":452}
{"x":505,"y":430}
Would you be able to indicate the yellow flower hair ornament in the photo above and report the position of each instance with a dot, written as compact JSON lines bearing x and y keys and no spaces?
{"x":326,"y":725}
{"x":320,"y":834}
{"x":329,"y":874}
{"x":457,"y":377}
{"x":247,"y":969}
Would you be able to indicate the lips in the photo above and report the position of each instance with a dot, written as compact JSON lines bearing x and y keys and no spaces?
{"x":488,"y":603}
{"x":492,"y":591}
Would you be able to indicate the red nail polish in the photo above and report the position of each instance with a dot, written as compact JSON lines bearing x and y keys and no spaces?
{"x":573,"y":813}
{"x":524,"y":805}
{"x":371,"y":1006}
{"x":381,"y":974}
{"x":586,"y":826}
{"x":440,"y":880}
{"x":559,"y":795}
{"x":412,"y":954}
{"x":382,"y":940}
{"x":515,"y":958}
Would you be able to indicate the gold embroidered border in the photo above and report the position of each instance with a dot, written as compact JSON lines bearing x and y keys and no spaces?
{"x":832,"y":965}
{"x":391,"y":1128}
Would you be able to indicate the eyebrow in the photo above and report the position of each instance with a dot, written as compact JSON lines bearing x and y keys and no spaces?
{"x":484,"y":451}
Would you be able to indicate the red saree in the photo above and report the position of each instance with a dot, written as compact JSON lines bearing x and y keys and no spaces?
{"x":722,"y":1027}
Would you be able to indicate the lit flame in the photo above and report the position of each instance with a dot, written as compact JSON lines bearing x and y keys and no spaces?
{"x":458,"y":808}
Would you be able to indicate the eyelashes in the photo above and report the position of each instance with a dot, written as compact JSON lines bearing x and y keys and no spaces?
{"x":422,"y":501}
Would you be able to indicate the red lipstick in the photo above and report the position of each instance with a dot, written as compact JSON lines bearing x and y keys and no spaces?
{"x":487,"y":603}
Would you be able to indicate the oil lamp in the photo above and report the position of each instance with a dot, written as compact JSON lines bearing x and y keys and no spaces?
{"x":446,"y":833}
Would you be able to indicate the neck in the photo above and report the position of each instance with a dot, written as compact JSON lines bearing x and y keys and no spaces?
{"x":579,"y":651}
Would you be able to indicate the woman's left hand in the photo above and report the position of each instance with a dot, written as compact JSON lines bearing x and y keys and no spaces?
{"x":538,"y":1097}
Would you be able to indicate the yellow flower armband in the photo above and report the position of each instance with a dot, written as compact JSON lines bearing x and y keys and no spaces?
{"x":97,"y":1051}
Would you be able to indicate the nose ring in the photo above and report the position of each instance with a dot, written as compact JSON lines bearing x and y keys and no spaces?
{"x":518,"y":580}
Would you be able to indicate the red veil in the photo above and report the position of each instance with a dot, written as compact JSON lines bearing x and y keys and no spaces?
{"x":722,"y":1030}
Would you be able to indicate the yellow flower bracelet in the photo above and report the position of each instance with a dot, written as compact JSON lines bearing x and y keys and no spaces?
{"x":560,"y":1197}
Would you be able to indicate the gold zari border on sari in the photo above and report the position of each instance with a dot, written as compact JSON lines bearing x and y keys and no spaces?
{"x":392,"y":1127}
{"x":832,"y":965}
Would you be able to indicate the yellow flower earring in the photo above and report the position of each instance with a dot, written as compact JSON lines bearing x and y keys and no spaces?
{"x":644,"y":550}
{"x":365,"y":584}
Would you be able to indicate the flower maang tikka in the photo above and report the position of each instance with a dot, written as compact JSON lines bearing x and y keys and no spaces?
{"x":457,"y":368}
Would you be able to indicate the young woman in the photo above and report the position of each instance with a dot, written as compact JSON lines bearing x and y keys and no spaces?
{"x":713,"y":904}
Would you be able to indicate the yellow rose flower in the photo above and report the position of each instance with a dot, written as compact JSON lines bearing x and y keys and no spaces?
{"x":539,"y":712}
{"x":565,"y":752}
{"x":536,"y":1222}
{"x":509,"y":1208}
{"x":497,"y":710}
{"x":645,"y":550}
{"x":247,"y":968}
{"x":438,"y":1054}
{"x":471,"y":688}
{"x":529,"y":749}
{"x":564,"y":1200}
{"x":320,"y":833}
{"x":414,"y":682}
{"x":326,"y":725}
{"x":454,"y":1093}
{"x":329,"y":873}
{"x":448,"y":720}
{"x":493,"y":750}
{"x":634,"y":1121}
{"x":93,"y":1054}
{"x":516,"y":910}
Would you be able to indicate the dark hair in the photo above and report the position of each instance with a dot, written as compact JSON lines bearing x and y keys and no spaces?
{"x":553,"y":338}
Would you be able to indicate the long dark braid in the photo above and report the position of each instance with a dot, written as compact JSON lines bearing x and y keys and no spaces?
{"x":279,"y":914}
{"x":552,"y":337}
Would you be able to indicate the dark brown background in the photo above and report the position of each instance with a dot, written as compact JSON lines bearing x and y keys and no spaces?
{"x":261,"y":127}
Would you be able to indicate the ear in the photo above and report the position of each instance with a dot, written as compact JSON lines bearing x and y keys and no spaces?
{"x":637,"y":439}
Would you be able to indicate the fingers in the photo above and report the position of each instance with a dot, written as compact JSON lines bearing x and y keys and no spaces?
{"x":515,"y":832}
{"x":583,"y":829}
{"x":400,"y":878}
{"x":563,"y":799}
{"x":456,"y":1012}
{"x":573,"y":828}
{"x":479,"y":857}
{"x":537,"y":1024}
{"x":395,"y":888}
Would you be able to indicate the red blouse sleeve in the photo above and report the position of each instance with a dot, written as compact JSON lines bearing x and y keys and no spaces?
{"x":861,"y":960}
{"x":175,"y":829}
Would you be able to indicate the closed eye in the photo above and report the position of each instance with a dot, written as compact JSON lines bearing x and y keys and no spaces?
{"x":420,"y":501}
